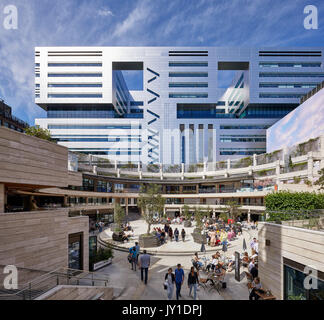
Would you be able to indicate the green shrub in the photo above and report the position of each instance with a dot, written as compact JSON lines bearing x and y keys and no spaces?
{"x":101,"y":255}
{"x":293,"y":202}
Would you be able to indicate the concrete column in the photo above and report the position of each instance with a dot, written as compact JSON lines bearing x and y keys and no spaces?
{"x":228,"y":163}
{"x":118,"y":173}
{"x":126,"y":204}
{"x":161,"y":171}
{"x":182,"y":171}
{"x":115,"y":164}
{"x":249,"y":216}
{"x":310,"y":166}
{"x":65,"y":201}
{"x":254,"y":160}
{"x":277,"y":171}
{"x":2,"y":198}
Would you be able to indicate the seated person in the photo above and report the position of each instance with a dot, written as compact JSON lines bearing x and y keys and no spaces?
{"x":213,"y":264}
{"x":245,"y":259}
{"x":231,"y":262}
{"x":218,"y":270}
{"x":255,"y":286}
{"x":197,"y":263}
{"x":124,"y":236}
{"x":254,"y":271}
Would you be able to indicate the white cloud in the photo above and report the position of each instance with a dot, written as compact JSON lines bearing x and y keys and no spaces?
{"x":104,"y":12}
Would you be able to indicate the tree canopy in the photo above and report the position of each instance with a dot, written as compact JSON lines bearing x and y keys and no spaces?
{"x":151,"y":202}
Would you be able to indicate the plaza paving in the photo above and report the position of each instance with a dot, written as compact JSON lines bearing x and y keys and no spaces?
{"x":128,"y":284}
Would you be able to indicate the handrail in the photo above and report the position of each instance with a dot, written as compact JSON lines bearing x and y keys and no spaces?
{"x":61,"y":272}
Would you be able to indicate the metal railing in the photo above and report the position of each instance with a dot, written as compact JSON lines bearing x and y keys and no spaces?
{"x":48,"y":281}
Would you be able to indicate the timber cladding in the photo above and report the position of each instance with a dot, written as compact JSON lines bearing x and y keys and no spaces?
{"x":38,"y":240}
{"x":300,"y":245}
{"x":29,"y":160}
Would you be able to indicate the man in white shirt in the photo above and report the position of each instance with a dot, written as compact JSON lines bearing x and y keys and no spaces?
{"x":251,"y":265}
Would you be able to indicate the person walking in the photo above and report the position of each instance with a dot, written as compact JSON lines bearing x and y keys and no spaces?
{"x":193,"y":282}
{"x":138,"y":248}
{"x":179,"y":277}
{"x":170,"y":233}
{"x":145,"y":261}
{"x":166,"y":230}
{"x":183,"y":234}
{"x":132,"y":255}
{"x":176,"y":234}
{"x":170,"y":281}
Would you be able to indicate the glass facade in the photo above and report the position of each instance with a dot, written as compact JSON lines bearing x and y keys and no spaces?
{"x":294,"y":288}
{"x":291,"y":75}
{"x":74,"y":95}
{"x":188,"y":95}
{"x":74,"y":85}
{"x":188,"y":85}
{"x":188,"y":64}
{"x":201,"y":111}
{"x":290,"y":64}
{"x":287,"y":85}
{"x":79,"y":126}
{"x":75,"y":64}
{"x":99,"y":74}
{"x":266,"y":111}
{"x":188,"y":74}
{"x":242,"y":138}
{"x":241,"y":151}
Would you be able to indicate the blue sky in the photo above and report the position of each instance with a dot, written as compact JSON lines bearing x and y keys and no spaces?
{"x":141,"y":23}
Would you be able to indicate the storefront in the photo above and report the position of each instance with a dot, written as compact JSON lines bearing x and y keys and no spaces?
{"x":294,"y":287}
{"x":76,"y":251}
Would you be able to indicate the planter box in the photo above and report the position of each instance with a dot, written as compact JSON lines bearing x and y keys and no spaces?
{"x":199,"y":238}
{"x":148,"y":241}
{"x":101,"y":264}
{"x":187,"y":224}
{"x":117,"y":237}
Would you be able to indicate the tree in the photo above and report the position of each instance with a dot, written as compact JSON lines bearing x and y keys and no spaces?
{"x":119,"y":215}
{"x":151,"y":202}
{"x":186,"y":212}
{"x":199,"y":214}
{"x":232,"y":209}
{"x":37,"y":131}
{"x":320,"y":181}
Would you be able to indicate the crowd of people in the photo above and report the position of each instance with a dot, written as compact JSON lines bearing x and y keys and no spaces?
{"x":167,"y":234}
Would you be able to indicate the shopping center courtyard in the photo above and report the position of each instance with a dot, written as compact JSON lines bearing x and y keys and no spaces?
{"x":128,"y":285}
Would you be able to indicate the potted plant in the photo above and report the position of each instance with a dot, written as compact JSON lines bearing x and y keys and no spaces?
{"x":119,"y":216}
{"x":188,"y":215}
{"x":102,"y":258}
{"x":151,"y":203}
{"x":197,"y":235}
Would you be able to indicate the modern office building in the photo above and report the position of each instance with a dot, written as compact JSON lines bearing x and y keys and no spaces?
{"x":182,"y":113}
{"x":8,"y":120}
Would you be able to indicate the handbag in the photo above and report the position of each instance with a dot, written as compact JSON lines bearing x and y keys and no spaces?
{"x":165,"y":285}
{"x":129,"y":258}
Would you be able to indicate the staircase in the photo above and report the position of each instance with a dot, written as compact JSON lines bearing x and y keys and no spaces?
{"x":59,"y":277}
